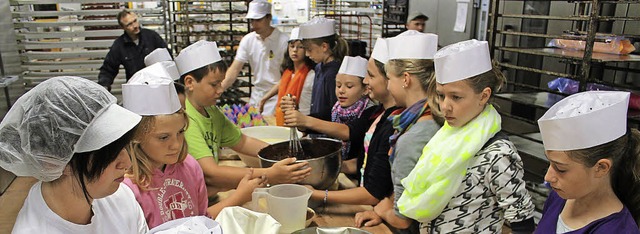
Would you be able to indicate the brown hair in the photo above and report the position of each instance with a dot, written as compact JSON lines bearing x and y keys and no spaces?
{"x":624,"y":153}
{"x":121,"y":15}
{"x":381,"y":68}
{"x":198,"y":74}
{"x":287,"y":63}
{"x":337,"y":45}
{"x":141,"y":170}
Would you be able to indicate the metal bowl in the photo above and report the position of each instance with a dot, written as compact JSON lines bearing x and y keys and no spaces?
{"x":324,"y":156}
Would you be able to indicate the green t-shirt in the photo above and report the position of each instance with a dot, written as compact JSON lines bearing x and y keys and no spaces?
{"x":205,"y":135}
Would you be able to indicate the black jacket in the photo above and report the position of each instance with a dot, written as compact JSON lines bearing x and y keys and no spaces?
{"x":124,"y":51}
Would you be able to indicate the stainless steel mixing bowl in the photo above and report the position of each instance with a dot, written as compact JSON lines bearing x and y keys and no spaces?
{"x":323,"y":154}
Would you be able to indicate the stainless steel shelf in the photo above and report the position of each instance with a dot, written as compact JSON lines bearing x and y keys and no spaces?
{"x":33,"y":55}
{"x":90,"y":33}
{"x":65,"y":44}
{"x":25,"y":2}
{"x":33,"y":24}
{"x":573,"y":54}
{"x":108,"y":12}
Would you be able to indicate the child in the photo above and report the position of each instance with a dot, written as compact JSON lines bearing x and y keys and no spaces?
{"x":593,"y":167}
{"x":469,"y":177}
{"x":202,"y":71}
{"x":167,"y":182}
{"x":410,"y":69}
{"x":69,"y":133}
{"x":326,"y":49}
{"x":351,"y":105}
{"x":297,"y":78}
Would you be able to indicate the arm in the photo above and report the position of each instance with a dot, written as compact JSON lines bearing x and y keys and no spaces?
{"x":504,"y":178}
{"x":353,"y":196}
{"x":293,"y":118}
{"x":232,"y":73}
{"x":385,"y":210}
{"x":272,"y":92}
{"x":304,"y":105}
{"x":242,"y":194}
{"x":110,"y":67}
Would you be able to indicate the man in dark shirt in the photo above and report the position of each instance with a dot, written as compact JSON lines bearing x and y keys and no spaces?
{"x":128,"y":49}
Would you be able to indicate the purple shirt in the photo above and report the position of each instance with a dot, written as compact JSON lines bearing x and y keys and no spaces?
{"x":177,"y":192}
{"x":620,"y":222}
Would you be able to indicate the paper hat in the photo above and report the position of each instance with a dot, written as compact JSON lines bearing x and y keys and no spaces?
{"x":380,"y":51}
{"x":578,"y":121}
{"x":412,"y":44}
{"x":258,"y":9}
{"x":171,"y":68}
{"x":158,"y":55}
{"x":462,"y":60}
{"x":295,"y":34}
{"x":317,"y":28}
{"x":355,"y":66}
{"x":416,"y":15}
{"x":197,"y":55}
{"x":151,"y":92}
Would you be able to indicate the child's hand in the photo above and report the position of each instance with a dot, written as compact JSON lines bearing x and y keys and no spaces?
{"x":247,"y":185}
{"x":367,"y":218}
{"x":384,"y":206}
{"x":261,"y":105}
{"x":293,"y":118}
{"x":287,"y":171}
{"x":288,"y":103}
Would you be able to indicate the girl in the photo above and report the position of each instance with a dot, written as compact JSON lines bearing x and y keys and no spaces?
{"x":409,"y":70}
{"x":167,"y":182}
{"x":593,"y":170}
{"x":326,"y":49}
{"x":469,"y":177}
{"x":351,"y":106}
{"x":297,"y":78}
{"x":70,"y":134}
{"x":375,"y":182}
{"x":202,"y":71}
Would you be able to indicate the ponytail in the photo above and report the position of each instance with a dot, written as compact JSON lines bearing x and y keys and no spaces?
{"x":624,"y":152}
{"x":338,"y":46}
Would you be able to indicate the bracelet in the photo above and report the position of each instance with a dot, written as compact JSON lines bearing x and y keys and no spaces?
{"x":326,"y":194}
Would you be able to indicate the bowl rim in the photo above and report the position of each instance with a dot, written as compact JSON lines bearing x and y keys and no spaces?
{"x":305,"y":160}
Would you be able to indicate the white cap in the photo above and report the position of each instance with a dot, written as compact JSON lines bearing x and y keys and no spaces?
{"x":584,"y":120}
{"x":171,"y":68}
{"x":258,"y":9}
{"x":158,"y":55}
{"x":151,"y":92}
{"x":355,"y":66}
{"x":412,"y":44}
{"x":295,"y":34}
{"x":106,"y":128}
{"x":472,"y":55}
{"x":317,"y":27}
{"x":197,"y":55}
{"x":380,"y":51}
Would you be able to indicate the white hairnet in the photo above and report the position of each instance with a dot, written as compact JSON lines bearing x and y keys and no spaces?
{"x":38,"y":135}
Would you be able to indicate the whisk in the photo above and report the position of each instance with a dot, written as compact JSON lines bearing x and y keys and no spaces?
{"x":295,"y":147}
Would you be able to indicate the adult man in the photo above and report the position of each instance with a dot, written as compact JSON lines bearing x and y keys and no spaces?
{"x":416,"y":21}
{"x":264,"y":50}
{"x":129,"y":49}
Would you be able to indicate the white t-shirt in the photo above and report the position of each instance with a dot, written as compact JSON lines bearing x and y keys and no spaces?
{"x":265,"y":57}
{"x":117,"y":213}
{"x":305,"y":97}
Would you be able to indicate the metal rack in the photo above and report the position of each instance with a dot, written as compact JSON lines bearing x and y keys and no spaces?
{"x":72,"y":42}
{"x":519,"y":32}
{"x":213,"y":20}
{"x":394,"y":17}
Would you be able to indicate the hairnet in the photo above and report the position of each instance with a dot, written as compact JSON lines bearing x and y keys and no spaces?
{"x":40,"y":133}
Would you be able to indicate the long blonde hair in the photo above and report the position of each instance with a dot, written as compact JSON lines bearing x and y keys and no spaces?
{"x":141,"y":170}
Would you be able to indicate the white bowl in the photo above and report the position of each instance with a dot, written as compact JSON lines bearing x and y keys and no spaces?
{"x":269,"y":134}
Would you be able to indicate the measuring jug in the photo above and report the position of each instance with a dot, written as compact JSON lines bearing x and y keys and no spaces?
{"x":286,"y":203}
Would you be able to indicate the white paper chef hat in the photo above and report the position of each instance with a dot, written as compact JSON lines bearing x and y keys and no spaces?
{"x":412,"y":44}
{"x":171,"y":68}
{"x":317,"y":27}
{"x":355,"y":66}
{"x":258,"y":9}
{"x":158,"y":55}
{"x":584,"y":120}
{"x":188,"y":225}
{"x":197,"y":55}
{"x":295,"y":34}
{"x":462,"y":60}
{"x":151,"y":92}
{"x":380,"y":51}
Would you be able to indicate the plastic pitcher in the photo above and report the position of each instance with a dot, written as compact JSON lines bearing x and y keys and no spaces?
{"x":286,"y":203}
